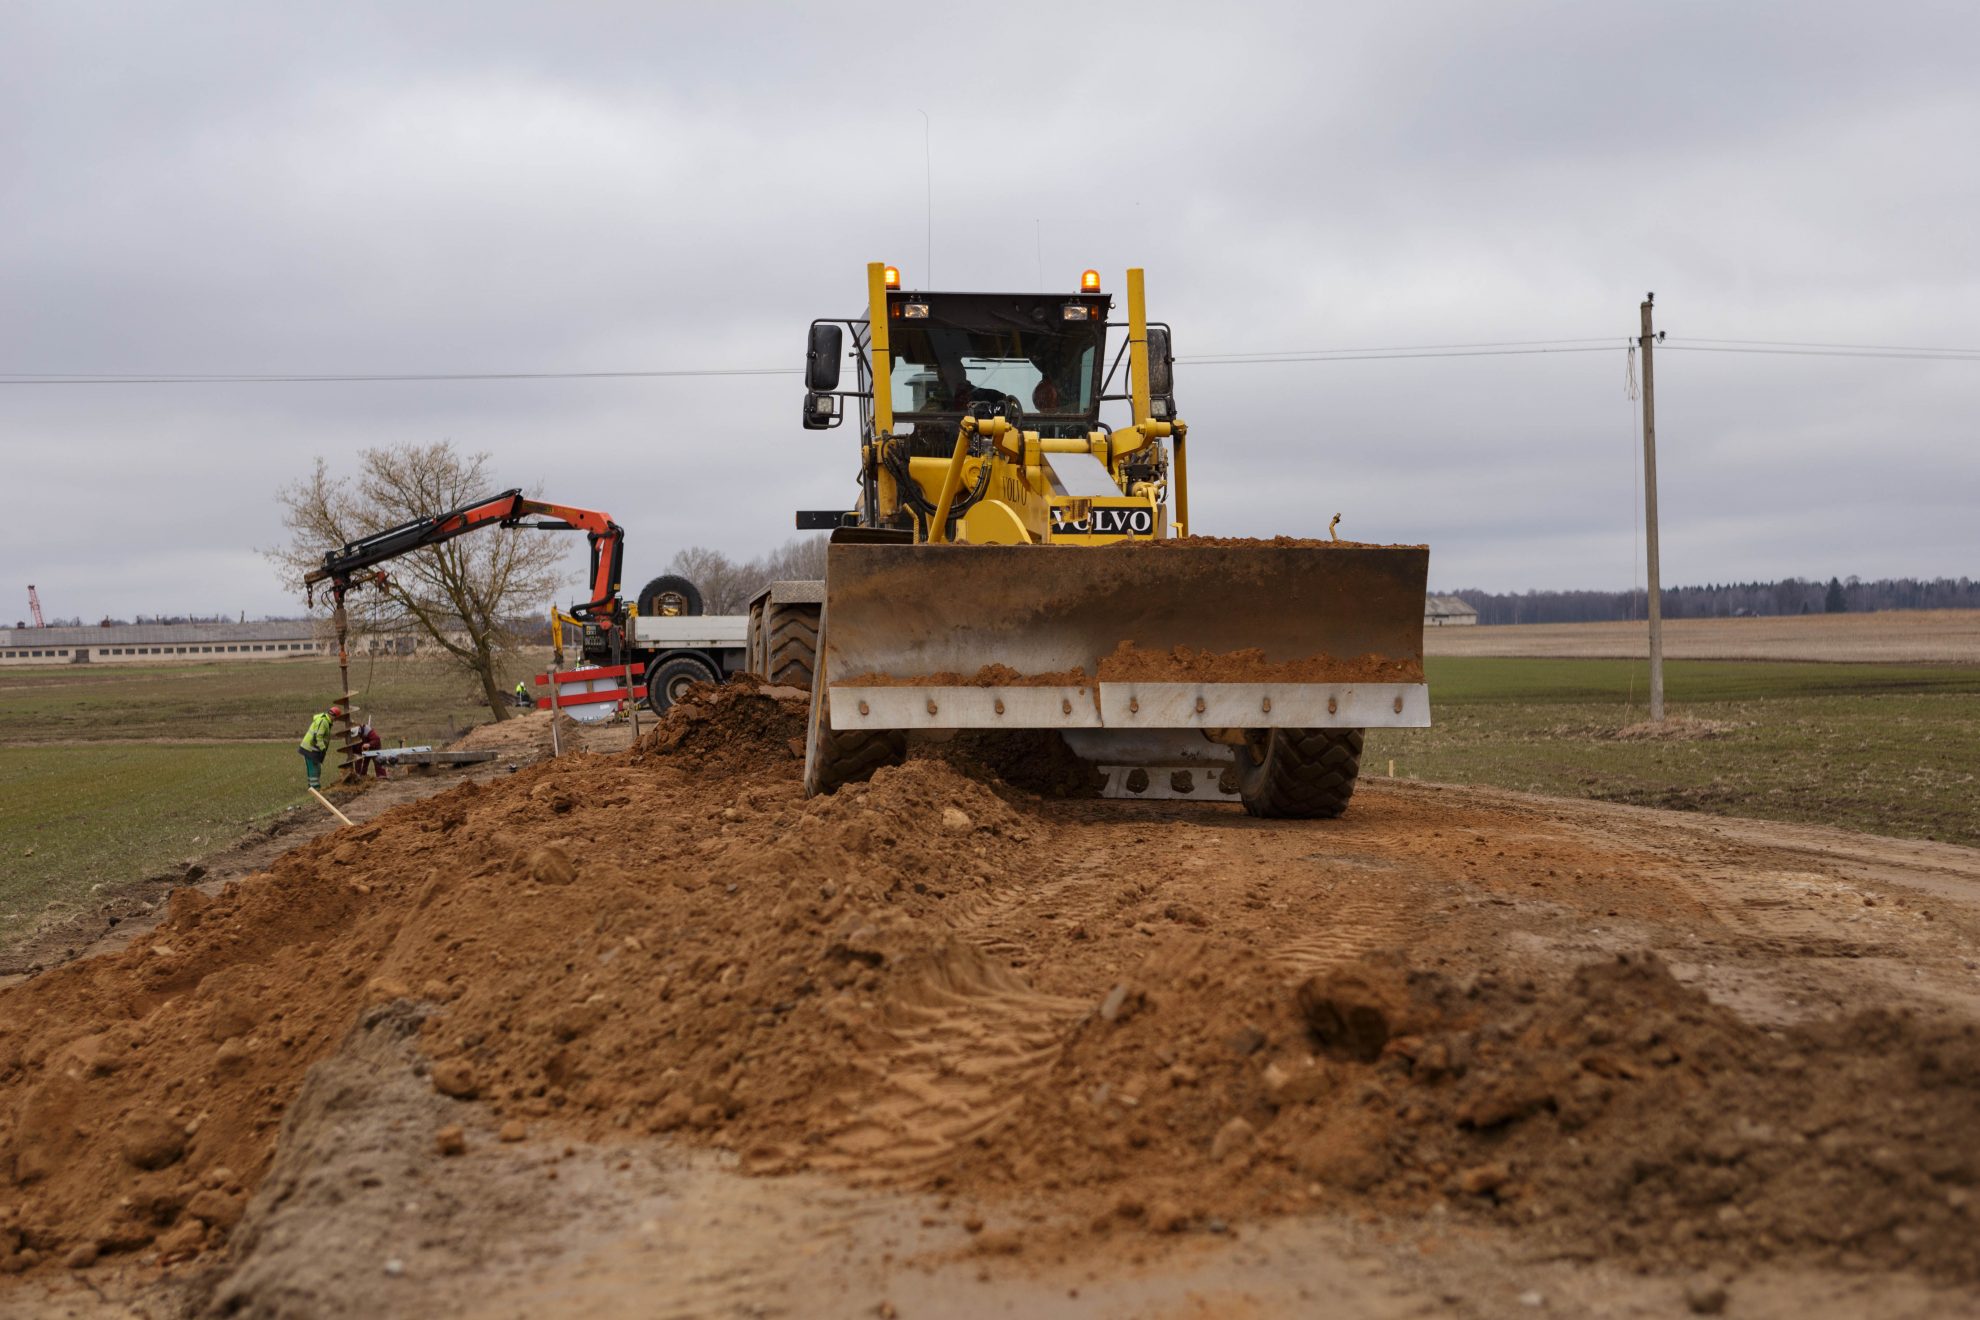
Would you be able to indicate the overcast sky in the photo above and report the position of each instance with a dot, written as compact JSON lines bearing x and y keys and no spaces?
{"x":493,"y":187}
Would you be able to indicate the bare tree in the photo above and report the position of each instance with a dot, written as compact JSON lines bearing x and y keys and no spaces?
{"x":467,"y":596}
{"x":719,"y":579}
{"x":726,"y":585}
{"x":799,"y":558}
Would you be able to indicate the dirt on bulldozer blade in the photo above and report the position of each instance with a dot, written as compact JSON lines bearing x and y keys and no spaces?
{"x":1183,"y":664}
{"x":989,"y":676}
{"x":1453,"y":1052}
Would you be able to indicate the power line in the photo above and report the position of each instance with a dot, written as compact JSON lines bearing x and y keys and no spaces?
{"x":1796,"y":343}
{"x":1262,"y":357}
{"x":1304,"y":353}
{"x":1352,"y":356}
{"x":1500,"y":348}
{"x":1929,"y":355}
{"x":307,"y":378}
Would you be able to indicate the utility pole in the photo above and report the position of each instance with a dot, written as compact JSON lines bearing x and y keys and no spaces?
{"x":1656,"y":591}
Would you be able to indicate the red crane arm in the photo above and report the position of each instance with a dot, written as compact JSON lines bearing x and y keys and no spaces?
{"x":509,"y":509}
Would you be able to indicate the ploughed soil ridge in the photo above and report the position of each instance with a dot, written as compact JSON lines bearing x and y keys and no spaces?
{"x":675,"y":941}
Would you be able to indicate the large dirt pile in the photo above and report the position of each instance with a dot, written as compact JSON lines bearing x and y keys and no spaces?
{"x":617,"y":941}
{"x":674,"y":940}
{"x":1619,"y":1112}
{"x":741,"y":726}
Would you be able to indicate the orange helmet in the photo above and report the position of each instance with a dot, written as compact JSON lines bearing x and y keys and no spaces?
{"x":336,"y":710}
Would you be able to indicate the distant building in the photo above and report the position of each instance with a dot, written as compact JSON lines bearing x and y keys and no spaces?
{"x":164,"y":643}
{"x":123,"y":643}
{"x":1448,"y":612}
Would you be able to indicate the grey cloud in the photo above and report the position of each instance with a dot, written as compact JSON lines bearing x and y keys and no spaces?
{"x":493,"y":187}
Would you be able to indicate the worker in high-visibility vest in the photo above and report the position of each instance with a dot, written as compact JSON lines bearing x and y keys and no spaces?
{"x":316,"y":743}
{"x":522,"y":696}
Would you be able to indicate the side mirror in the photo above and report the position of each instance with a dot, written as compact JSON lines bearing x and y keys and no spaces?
{"x":821,"y":359}
{"x":820,"y":412}
{"x":1161,"y":366}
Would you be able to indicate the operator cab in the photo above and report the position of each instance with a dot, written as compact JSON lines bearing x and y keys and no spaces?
{"x":1035,"y":359}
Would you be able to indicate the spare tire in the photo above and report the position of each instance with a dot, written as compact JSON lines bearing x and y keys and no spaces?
{"x":670,"y":593}
{"x":670,"y":674}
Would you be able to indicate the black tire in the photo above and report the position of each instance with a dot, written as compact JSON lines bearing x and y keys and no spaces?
{"x":669,"y":589}
{"x":1298,"y":774}
{"x":667,"y":677}
{"x":793,"y":648}
{"x":836,"y":757}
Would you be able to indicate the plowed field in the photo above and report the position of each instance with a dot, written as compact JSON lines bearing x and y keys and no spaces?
{"x":1890,"y":637}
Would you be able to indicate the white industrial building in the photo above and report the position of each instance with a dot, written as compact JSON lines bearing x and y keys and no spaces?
{"x":155,"y":643}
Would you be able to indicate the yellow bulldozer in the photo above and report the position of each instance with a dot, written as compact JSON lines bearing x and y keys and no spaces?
{"x":1014,"y":564}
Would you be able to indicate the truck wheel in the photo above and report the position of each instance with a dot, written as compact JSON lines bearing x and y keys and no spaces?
{"x":669,"y":677}
{"x":669,"y":594}
{"x":793,"y":645}
{"x":835,"y":757}
{"x":1299,"y":774}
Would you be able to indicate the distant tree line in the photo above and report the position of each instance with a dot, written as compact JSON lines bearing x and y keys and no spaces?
{"x":1728,"y":600}
{"x":113,"y":621}
{"x":183,"y":618}
{"x":107,"y":621}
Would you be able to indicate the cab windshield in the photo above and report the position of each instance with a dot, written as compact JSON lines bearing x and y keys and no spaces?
{"x":1036,"y":359}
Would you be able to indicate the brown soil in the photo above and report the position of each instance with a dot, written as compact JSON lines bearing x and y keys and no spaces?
{"x":1604,"y":1035}
{"x":527,"y":734}
{"x":987,"y":677}
{"x":124,"y":910}
{"x":1183,"y":665}
{"x":730,"y":728}
{"x":1026,"y":760}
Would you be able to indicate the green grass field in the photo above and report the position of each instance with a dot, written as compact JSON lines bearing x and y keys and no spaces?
{"x":1887,"y":749}
{"x":101,"y":781}
{"x":112,"y":773}
{"x":72,"y":817}
{"x":413,"y":701}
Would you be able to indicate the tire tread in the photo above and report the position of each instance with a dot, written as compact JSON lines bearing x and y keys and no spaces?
{"x":846,"y":756}
{"x":793,"y":654}
{"x":1308,"y":774}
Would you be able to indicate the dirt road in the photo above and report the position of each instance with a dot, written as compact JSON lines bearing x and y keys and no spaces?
{"x":938,"y":1046}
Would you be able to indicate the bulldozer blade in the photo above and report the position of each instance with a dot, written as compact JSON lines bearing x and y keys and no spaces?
{"x":911,"y":631}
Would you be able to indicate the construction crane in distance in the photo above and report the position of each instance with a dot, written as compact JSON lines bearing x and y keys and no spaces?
{"x":34,"y":607}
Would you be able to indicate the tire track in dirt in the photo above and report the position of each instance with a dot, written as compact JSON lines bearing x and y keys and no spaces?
{"x":1360,"y":919}
{"x":958,"y":1045}
{"x":950,"y":1062}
